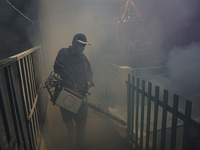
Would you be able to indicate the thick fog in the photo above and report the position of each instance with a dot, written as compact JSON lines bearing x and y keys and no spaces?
{"x":170,"y":25}
{"x":183,"y":76}
{"x":164,"y":23}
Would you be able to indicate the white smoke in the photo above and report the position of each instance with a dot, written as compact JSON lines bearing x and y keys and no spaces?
{"x":170,"y":18}
{"x":184,"y":72}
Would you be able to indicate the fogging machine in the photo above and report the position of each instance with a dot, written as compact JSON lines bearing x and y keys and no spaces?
{"x":72,"y":99}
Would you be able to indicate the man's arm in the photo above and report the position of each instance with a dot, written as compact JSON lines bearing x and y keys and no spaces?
{"x":89,"y":73}
{"x":60,"y":67}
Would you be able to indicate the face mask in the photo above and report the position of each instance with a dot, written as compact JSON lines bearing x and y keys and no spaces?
{"x":79,"y":50}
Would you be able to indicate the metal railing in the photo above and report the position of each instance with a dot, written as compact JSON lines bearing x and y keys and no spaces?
{"x":150,"y":72}
{"x":21,"y":78}
{"x":107,"y":73}
{"x":143,"y":113}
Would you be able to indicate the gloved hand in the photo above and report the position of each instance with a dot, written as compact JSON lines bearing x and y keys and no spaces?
{"x":87,"y":86}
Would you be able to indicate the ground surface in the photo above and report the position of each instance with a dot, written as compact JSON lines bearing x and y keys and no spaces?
{"x":101,"y":133}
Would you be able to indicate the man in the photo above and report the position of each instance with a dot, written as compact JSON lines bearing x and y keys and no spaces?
{"x":74,"y":68}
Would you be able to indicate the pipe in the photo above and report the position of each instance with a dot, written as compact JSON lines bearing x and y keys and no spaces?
{"x":106,"y":113}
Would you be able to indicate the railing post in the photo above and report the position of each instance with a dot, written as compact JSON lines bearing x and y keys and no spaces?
{"x":198,"y":144}
{"x":174,"y":123}
{"x":186,"y":124}
{"x":128,"y":108}
{"x":122,"y":77}
{"x":155,"y":124}
{"x":132,"y":108}
{"x":148,"y":114}
{"x":142,"y":114}
{"x":137,"y":112}
{"x":164,"y":119}
{"x":4,"y":107}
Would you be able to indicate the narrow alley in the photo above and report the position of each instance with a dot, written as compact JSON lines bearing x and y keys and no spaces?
{"x":101,"y":133}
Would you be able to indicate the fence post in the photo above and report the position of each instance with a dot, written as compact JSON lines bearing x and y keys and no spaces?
{"x":164,"y":119}
{"x":123,"y":71}
{"x":174,"y":123}
{"x":148,"y":114}
{"x":186,"y":124}
{"x":129,"y":131}
{"x":155,"y":124}
{"x":198,"y":144}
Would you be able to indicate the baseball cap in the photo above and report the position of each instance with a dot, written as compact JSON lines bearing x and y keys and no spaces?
{"x":81,"y":38}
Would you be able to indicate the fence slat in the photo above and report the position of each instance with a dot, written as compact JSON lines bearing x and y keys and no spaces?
{"x":33,"y":74}
{"x":137,"y":110}
{"x":4,"y":108}
{"x":142,"y":115}
{"x":28,"y":99}
{"x":164,"y":119}
{"x":155,"y":117}
{"x":25,"y":102}
{"x":186,"y":124}
{"x":198,"y":144}
{"x":18,"y":108}
{"x":133,"y":107}
{"x":32,"y":97}
{"x":32,"y":84}
{"x":30,"y":90}
{"x":12,"y":144}
{"x":29,"y":70}
{"x":1,"y":139}
{"x":34,"y":55}
{"x":128,"y":107}
{"x":31,"y":100}
{"x":148,"y":114}
{"x":12,"y":104}
{"x":174,"y":123}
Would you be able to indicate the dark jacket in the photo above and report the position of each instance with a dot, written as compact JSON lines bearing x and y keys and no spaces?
{"x":73,"y":68}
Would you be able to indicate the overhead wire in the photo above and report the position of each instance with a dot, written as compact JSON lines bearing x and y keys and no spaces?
{"x":20,"y":12}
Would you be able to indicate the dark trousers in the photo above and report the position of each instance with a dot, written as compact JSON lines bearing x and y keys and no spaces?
{"x":80,"y":118}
